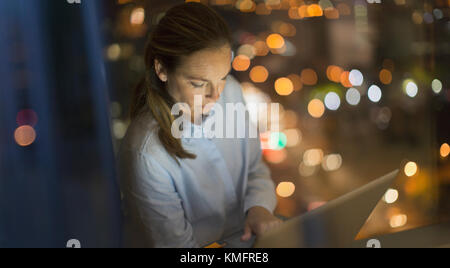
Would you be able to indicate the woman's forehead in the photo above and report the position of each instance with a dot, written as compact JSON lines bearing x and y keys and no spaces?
{"x":207,"y":63}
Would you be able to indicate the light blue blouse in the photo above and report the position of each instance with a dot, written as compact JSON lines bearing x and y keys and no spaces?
{"x":198,"y":202}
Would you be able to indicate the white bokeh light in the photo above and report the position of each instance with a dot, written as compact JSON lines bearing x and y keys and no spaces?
{"x":356,"y":78}
{"x":436,"y":85}
{"x":411,"y":89}
{"x":353,"y":96}
{"x":332,"y":101}
{"x":374,"y":93}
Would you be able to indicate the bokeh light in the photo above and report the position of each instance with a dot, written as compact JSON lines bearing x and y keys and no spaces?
{"x":284,"y":86}
{"x":353,"y":96}
{"x":275,"y":41}
{"x":385,"y":76}
{"x":391,"y":196}
{"x":334,"y":73}
{"x":285,"y":189}
{"x":313,"y":157}
{"x":410,"y":169}
{"x":119,"y":129}
{"x":332,"y":101}
{"x":444,"y":150}
{"x":277,"y":140}
{"x":356,"y":78}
{"x":332,"y":13}
{"x":259,"y":74}
{"x":436,"y":85}
{"x":137,"y":16}
{"x":275,"y":156}
{"x":316,"y":108}
{"x":374,"y":93}
{"x":294,"y":137}
{"x":241,"y":63}
{"x":261,"y":48}
{"x":345,"y":79}
{"x":25,"y":135}
{"x":332,"y":162}
{"x":247,"y":50}
{"x":113,"y":52}
{"x":412,"y":89}
{"x":27,"y":117}
{"x":314,"y":10}
{"x":309,"y":77}
{"x":398,"y":221}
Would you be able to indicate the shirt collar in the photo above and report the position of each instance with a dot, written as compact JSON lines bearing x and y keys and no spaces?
{"x":193,"y":131}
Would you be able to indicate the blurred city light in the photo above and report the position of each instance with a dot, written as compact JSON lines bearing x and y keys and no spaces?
{"x":313,"y":157}
{"x":284,"y":86}
{"x":309,"y":77}
{"x":137,"y":16}
{"x":410,"y":88}
{"x":436,"y":85}
{"x":332,"y":101}
{"x":444,"y":150}
{"x":391,"y":196}
{"x":25,"y":135}
{"x":259,"y":74}
{"x":410,"y":169}
{"x":385,"y":76}
{"x":398,"y":221}
{"x":275,"y":41}
{"x":285,"y":189}
{"x":374,"y":93}
{"x":241,"y":63}
{"x":316,"y":108}
{"x":332,"y":162}
{"x":353,"y":96}
{"x":356,"y":78}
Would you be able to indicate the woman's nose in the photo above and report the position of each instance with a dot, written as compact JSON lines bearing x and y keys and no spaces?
{"x":214,"y":93}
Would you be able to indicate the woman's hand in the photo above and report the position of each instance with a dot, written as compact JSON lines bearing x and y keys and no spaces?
{"x":259,"y":220}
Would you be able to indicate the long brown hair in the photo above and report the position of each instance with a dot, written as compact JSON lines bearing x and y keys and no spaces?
{"x":185,"y":29}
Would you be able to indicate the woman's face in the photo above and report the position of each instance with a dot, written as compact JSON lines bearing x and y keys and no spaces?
{"x":202,"y":74}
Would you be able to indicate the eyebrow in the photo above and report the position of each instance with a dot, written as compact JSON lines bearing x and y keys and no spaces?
{"x":205,"y":80}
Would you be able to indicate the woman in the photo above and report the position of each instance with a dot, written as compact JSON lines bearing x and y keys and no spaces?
{"x":189,"y":192}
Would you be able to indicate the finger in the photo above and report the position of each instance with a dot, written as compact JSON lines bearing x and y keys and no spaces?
{"x":247,"y":233}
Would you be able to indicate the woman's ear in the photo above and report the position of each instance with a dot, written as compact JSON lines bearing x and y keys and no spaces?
{"x":160,"y":71}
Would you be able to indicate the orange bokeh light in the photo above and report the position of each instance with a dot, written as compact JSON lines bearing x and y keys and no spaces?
{"x":303,"y":11}
{"x":315,"y":10}
{"x":241,"y":63}
{"x":386,"y":76}
{"x":25,"y":135}
{"x":445,"y":150}
{"x":309,"y":77}
{"x":332,"y":13}
{"x":275,"y":41}
{"x":316,"y":108}
{"x":259,"y":74}
{"x":261,"y":48}
{"x":284,"y":86}
{"x":345,"y":81}
{"x":334,"y":73}
{"x":275,"y":156}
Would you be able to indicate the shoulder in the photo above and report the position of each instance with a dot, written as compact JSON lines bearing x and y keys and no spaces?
{"x":142,"y":139}
{"x":232,"y":92}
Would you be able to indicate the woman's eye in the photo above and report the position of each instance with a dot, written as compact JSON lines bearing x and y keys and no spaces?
{"x":197,"y":85}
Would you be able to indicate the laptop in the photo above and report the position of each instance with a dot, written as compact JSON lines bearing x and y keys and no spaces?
{"x":334,"y":225}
